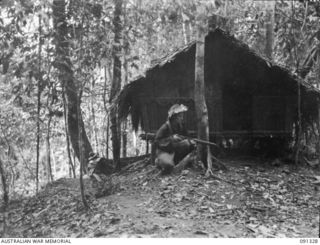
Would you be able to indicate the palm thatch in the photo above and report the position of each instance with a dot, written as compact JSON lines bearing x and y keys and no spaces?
{"x":127,"y":100}
{"x":229,"y":60}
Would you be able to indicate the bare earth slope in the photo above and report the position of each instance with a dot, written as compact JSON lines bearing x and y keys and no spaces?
{"x":246,"y":201}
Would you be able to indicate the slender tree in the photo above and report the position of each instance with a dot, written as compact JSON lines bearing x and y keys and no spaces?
{"x":126,"y":49}
{"x":48,"y":146}
{"x":50,"y":101}
{"x":203,"y":152}
{"x":116,"y":83}
{"x":71,"y":164}
{"x":104,"y":97}
{"x":79,"y":86}
{"x":186,"y":27}
{"x":269,"y":29}
{"x":66,"y":77}
{"x":38,"y":106}
{"x":81,"y":158}
{"x":318,"y":82}
{"x":5,"y":196}
{"x":93,"y":117}
{"x":295,"y":58}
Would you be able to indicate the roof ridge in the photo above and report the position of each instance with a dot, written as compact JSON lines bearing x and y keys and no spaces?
{"x":168,"y":58}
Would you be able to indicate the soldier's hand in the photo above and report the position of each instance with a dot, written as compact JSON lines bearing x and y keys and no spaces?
{"x":193,"y":144}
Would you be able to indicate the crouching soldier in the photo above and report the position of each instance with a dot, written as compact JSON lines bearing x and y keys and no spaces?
{"x":171,"y":147}
{"x":100,"y":170}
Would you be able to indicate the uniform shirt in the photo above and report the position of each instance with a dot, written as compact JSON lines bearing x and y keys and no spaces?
{"x":164,"y":139}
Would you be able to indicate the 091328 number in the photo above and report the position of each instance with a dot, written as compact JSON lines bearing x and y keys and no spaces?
{"x":309,"y":240}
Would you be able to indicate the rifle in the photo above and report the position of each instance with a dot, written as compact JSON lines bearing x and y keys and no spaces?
{"x":198,"y":140}
{"x":150,"y":136}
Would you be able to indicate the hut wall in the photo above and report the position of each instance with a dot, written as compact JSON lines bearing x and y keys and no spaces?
{"x":213,"y":83}
{"x":240,"y":86}
{"x":273,"y":116}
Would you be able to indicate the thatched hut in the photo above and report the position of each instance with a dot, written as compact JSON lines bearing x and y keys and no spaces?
{"x":246,"y":94}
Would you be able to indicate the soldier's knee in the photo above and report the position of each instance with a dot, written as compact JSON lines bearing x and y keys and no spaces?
{"x":165,"y":167}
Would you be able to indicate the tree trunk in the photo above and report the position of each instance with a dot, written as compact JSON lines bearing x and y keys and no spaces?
{"x":124,"y":138}
{"x":74,"y":158}
{"x":134,"y":142}
{"x":115,"y":137}
{"x":203,"y":151}
{"x":53,"y":169}
{"x":318,"y":78}
{"x":296,"y":61}
{"x":71,"y":164}
{"x":93,"y":116}
{"x":106,"y":110}
{"x":5,"y":196}
{"x":81,"y":158}
{"x":38,"y":108}
{"x":48,"y":146}
{"x":116,"y":83}
{"x":226,"y":7}
{"x":63,"y":64}
{"x":107,"y":137}
{"x":199,"y":100}
{"x":48,"y":151}
{"x":126,"y":48}
{"x":186,"y":28}
{"x":269,"y":29}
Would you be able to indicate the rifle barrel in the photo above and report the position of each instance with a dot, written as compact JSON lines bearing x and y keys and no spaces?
{"x":204,"y":142}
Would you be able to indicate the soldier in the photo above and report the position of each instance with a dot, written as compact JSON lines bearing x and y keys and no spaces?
{"x":171,"y":146}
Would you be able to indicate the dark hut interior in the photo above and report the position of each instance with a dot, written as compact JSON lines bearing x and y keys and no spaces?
{"x":246,"y":95}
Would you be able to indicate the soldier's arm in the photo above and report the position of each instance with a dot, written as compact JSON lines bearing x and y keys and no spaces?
{"x":162,"y":133}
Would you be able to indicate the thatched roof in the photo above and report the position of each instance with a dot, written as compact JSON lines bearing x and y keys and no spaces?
{"x":127,"y":100}
{"x":128,"y":103}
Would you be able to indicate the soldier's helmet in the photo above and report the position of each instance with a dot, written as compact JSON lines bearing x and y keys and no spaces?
{"x":175,"y":109}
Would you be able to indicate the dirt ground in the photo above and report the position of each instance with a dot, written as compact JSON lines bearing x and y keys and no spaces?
{"x":251,"y":199}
